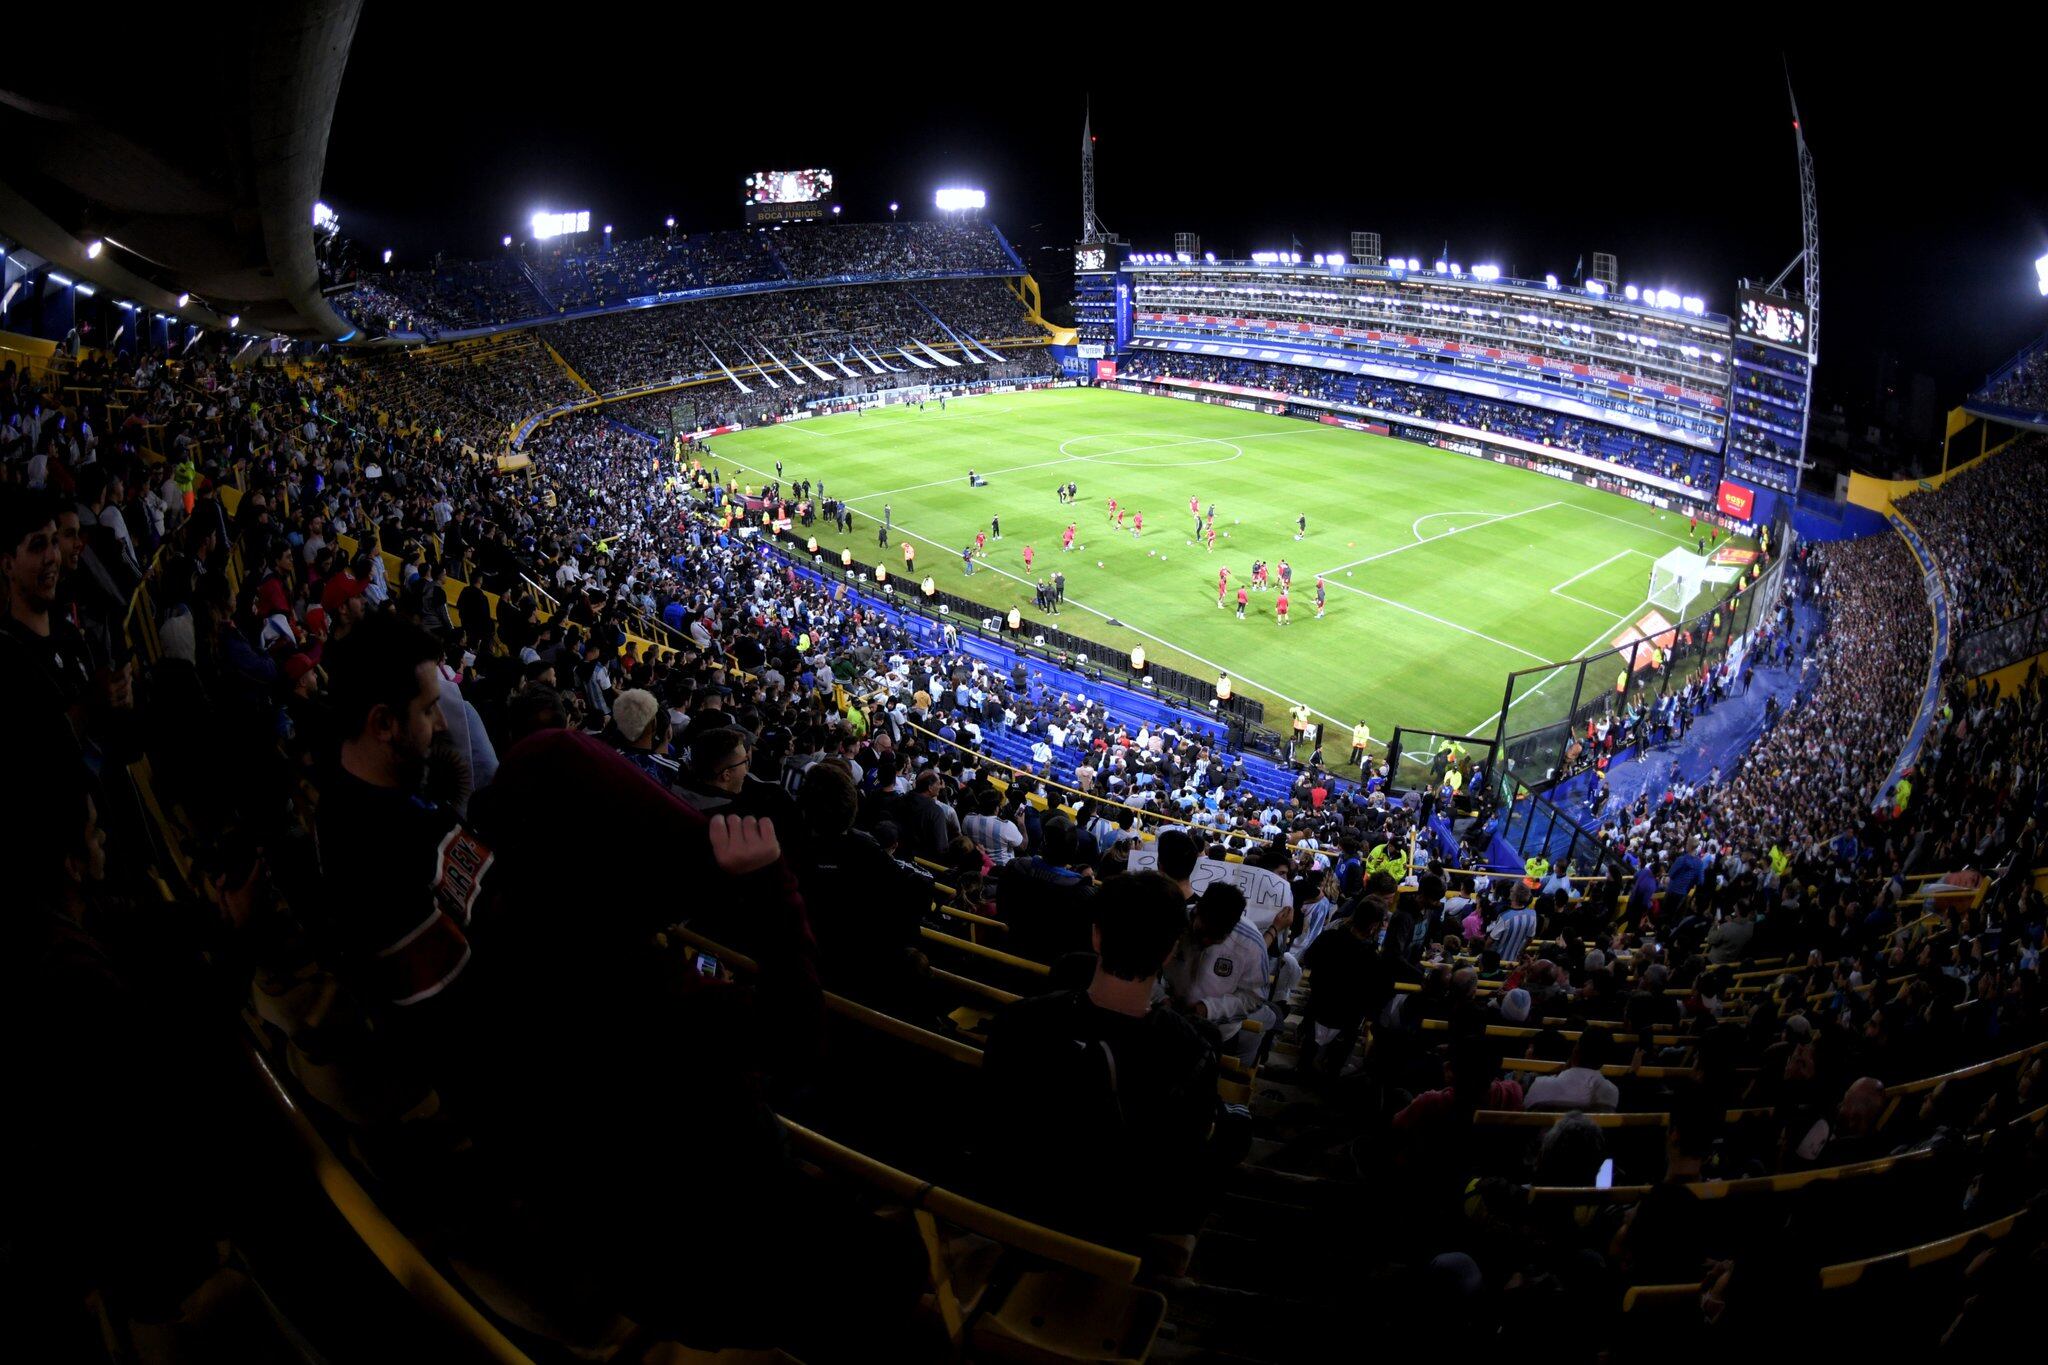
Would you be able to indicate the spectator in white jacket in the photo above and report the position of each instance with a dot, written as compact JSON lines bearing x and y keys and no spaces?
{"x":1221,"y":969}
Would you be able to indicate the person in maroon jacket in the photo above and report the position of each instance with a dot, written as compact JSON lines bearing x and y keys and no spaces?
{"x":617,"y":1089}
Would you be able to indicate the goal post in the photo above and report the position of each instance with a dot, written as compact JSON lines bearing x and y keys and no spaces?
{"x":1675,"y":580}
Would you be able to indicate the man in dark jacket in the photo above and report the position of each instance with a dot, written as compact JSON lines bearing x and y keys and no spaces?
{"x":1099,"y":1104}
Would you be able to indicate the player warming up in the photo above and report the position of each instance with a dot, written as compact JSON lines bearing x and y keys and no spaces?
{"x":1321,"y":597}
{"x":1301,"y":526}
{"x":1067,"y":537}
{"x":1027,"y":559}
{"x":1222,"y":585}
{"x":1280,"y":607}
{"x":1137,"y":524}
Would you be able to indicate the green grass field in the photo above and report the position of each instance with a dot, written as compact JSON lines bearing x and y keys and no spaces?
{"x":1445,"y":572}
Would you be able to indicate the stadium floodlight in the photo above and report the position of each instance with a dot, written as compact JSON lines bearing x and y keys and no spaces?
{"x":1695,"y":305}
{"x":1457,"y":271}
{"x":1209,"y":256}
{"x":86,"y":290}
{"x":2041,"y":269}
{"x":672,"y":221}
{"x":93,"y":249}
{"x":323,"y":217}
{"x":1443,"y":267}
{"x":184,"y":299}
{"x":1667,"y":298}
{"x":507,"y":240}
{"x":1550,"y":281}
{"x":954,"y":200}
{"x":55,"y":278}
{"x":1336,"y":259}
{"x":607,"y":229}
{"x":1714,"y":356}
{"x":387,"y":255}
{"x":235,"y":321}
{"x":1631,"y":293}
{"x":1596,"y":289}
{"x":1486,"y":272}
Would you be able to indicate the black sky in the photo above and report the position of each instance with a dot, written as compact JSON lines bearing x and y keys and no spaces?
{"x":1677,"y":156}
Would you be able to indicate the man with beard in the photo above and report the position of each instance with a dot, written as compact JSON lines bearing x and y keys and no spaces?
{"x":402,"y":871}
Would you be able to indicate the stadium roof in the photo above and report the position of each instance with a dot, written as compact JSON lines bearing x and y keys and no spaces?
{"x":191,"y":141}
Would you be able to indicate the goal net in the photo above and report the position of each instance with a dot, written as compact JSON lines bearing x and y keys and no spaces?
{"x":1675,"y":580}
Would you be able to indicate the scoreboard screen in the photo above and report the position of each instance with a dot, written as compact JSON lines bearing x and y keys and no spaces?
{"x":789,"y":187}
{"x":1773,"y":320}
{"x":1091,"y":258}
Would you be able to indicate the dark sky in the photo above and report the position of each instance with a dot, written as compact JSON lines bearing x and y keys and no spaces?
{"x":1677,"y":156}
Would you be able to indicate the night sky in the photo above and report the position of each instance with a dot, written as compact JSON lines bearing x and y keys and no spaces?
{"x":1932,"y":166}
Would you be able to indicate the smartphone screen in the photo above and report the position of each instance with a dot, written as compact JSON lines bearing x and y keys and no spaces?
{"x":708,"y":966}
{"x":1605,"y":1179}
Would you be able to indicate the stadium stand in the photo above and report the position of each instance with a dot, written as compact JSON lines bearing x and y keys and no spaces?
{"x":508,"y":289}
{"x":1390,"y":400}
{"x":656,"y":943}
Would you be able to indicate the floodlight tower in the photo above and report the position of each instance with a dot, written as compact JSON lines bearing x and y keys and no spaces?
{"x":1809,"y":229}
{"x":1091,"y":226}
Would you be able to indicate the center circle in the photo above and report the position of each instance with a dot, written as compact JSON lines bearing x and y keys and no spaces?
{"x":1167,"y":448}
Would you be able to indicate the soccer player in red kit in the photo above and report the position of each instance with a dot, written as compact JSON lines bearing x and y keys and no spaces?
{"x":1242,"y":598}
{"x":1067,"y":537}
{"x":1212,"y":537}
{"x":1137,"y":525}
{"x":1222,"y":585}
{"x":1112,"y":509}
{"x":980,"y":541}
{"x":1027,"y":559}
{"x":1280,"y":607}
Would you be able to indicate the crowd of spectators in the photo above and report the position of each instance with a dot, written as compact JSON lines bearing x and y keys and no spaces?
{"x":567,"y":278}
{"x":2024,"y":386}
{"x":1693,"y":468}
{"x":616,"y":352}
{"x":1989,"y":527}
{"x":476,"y":394}
{"x":1476,"y":339}
{"x":446,"y":297}
{"x":514,"y":804}
{"x":718,"y":402}
{"x":827,"y":250}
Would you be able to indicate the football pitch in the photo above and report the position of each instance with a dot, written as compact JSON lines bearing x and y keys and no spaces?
{"x":1444,"y":572}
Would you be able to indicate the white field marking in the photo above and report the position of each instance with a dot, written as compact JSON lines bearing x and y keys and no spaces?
{"x":1478,"y":635}
{"x":1504,"y":516}
{"x":1640,"y":526}
{"x":1415,"y":526}
{"x":1602,"y":638}
{"x":941,"y":546}
{"x":1593,"y":606}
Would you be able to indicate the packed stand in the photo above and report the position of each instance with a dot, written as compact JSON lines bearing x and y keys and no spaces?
{"x":679,"y":341}
{"x":2024,"y":386}
{"x":829,"y":250}
{"x":1988,"y":526}
{"x":1692,"y":468}
{"x":781,"y":781}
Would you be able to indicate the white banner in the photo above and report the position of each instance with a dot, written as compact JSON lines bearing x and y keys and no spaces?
{"x":1266,"y":894}
{"x":1090,"y":350}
